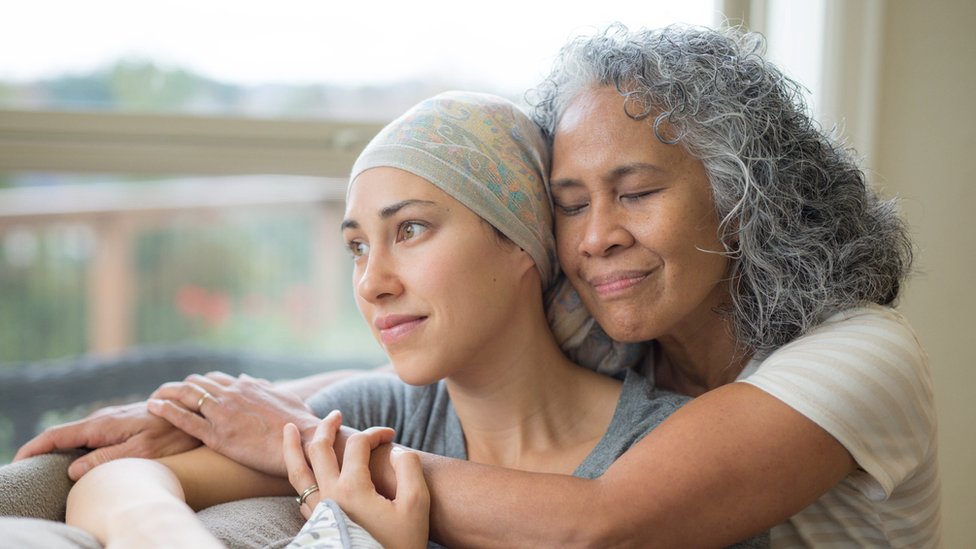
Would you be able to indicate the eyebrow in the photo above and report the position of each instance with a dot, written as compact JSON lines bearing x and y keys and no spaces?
{"x":613,"y":175}
{"x":388,"y":211}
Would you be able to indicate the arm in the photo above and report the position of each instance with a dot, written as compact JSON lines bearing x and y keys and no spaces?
{"x":132,"y":431}
{"x":715,"y":472}
{"x":245,"y":417}
{"x":208,"y":478}
{"x":139,"y":502}
{"x":135,"y":503}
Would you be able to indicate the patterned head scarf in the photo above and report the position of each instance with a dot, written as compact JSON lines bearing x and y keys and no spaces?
{"x":484,"y":152}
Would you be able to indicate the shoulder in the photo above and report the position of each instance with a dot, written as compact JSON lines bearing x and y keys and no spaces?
{"x":862,"y":376}
{"x":874,"y":340}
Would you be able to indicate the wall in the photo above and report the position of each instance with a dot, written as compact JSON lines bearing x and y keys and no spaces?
{"x":925,"y":151}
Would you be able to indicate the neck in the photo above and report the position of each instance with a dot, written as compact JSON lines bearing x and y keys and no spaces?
{"x":699,"y":360}
{"x":529,"y":407}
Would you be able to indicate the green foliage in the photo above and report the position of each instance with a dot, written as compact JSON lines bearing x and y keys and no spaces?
{"x":42,"y":305}
{"x":128,"y":85}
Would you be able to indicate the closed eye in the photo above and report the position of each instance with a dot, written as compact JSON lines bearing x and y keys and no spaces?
{"x":635,"y":197}
{"x":570,"y":209}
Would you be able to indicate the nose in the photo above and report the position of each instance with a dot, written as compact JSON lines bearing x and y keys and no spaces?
{"x":378,"y":279}
{"x":604,"y":231}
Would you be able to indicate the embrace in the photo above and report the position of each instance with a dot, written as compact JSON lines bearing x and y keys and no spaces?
{"x":655,"y":310}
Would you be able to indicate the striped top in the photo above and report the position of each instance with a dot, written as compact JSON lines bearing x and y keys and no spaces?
{"x":863,"y":376}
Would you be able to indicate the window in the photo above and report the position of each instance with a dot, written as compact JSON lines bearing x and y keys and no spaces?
{"x":301,"y":58}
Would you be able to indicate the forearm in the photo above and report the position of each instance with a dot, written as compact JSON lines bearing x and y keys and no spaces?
{"x":526,"y":509}
{"x":208,"y":478}
{"x":135,"y":502}
{"x":726,"y":466}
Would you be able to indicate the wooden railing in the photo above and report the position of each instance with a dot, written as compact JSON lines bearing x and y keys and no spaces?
{"x":115,"y":213}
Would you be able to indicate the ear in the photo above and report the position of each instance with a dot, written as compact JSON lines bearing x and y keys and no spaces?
{"x":526,"y":265}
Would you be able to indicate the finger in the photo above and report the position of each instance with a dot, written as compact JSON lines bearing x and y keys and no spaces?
{"x":220,"y":378}
{"x":321,"y":449}
{"x":378,"y":435}
{"x":188,"y":395}
{"x":299,"y":475}
{"x":92,"y":459}
{"x":204,"y":383}
{"x":169,"y":391}
{"x":165,"y":388}
{"x":411,"y":486}
{"x":355,"y":460}
{"x":69,"y":435}
{"x":258,"y":380}
{"x":180,"y":417}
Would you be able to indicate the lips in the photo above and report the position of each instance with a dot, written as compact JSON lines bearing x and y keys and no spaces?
{"x":395,"y":328}
{"x":616,"y":282}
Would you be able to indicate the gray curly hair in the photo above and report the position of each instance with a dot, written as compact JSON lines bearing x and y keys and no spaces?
{"x":804,"y":233}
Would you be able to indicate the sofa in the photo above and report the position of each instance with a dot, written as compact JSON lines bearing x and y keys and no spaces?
{"x":33,"y":491}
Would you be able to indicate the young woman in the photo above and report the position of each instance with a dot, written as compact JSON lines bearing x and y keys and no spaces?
{"x":448,"y":220}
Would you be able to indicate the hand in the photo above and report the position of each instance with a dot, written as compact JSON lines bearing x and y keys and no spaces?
{"x":241,"y":419}
{"x":115,"y":432}
{"x":401,"y":522}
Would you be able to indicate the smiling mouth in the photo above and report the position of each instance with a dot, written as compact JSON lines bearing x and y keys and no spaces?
{"x":615,"y":283}
{"x":395,"y":328}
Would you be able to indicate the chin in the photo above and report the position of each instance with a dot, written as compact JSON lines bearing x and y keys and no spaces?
{"x":411,"y":375}
{"x":625,"y":327}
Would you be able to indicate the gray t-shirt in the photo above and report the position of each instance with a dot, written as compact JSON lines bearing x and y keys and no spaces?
{"x":424,"y":418}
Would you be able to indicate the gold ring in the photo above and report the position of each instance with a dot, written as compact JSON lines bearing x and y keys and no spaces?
{"x":308,"y":491}
{"x":204,"y":398}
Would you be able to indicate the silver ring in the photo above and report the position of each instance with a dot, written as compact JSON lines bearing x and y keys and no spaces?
{"x":204,"y":398}
{"x":308,"y":491}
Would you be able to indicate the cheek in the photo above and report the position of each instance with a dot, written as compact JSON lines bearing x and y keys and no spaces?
{"x":447,"y":276}
{"x":566,"y":242}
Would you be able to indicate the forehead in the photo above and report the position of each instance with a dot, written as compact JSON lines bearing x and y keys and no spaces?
{"x":375,"y":190}
{"x":384,"y":183}
{"x":595,"y":133}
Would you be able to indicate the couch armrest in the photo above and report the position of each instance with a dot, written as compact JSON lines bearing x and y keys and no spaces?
{"x":36,"y":487}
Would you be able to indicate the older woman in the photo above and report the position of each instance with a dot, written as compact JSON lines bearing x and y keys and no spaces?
{"x":699,"y":208}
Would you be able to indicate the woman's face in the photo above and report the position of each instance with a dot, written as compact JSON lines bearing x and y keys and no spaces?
{"x":636,"y":227}
{"x":433,"y":281}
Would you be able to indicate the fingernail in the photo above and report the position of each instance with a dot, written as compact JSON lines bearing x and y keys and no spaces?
{"x":78,"y":470}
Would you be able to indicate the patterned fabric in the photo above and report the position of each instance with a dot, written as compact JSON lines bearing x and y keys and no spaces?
{"x":582,"y":339}
{"x":330,"y":528}
{"x":484,"y":152}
